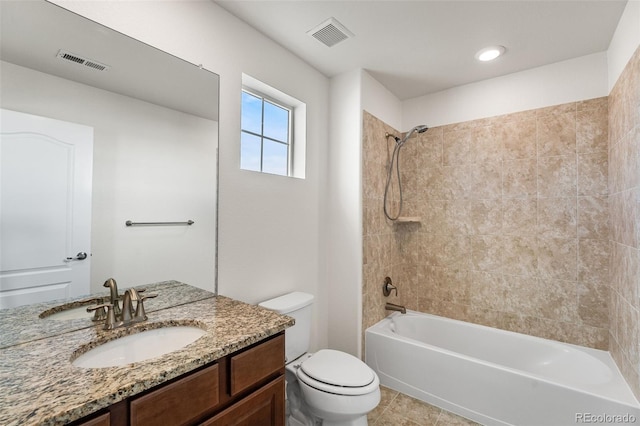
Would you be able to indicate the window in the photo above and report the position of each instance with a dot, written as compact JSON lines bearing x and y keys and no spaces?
{"x":273,"y":130}
{"x":266,"y":137}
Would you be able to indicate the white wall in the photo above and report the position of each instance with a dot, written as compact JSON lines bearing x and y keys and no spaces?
{"x":150,"y":164}
{"x":562,"y":82}
{"x":351,"y":93}
{"x":270,"y":237}
{"x":380,"y":102}
{"x":625,"y":41}
{"x":344,"y":214}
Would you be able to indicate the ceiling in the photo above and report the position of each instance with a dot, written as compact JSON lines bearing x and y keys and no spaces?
{"x":33,"y":32}
{"x":419,"y":47}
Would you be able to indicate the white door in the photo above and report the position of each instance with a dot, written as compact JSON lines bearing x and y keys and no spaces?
{"x":45,"y":208}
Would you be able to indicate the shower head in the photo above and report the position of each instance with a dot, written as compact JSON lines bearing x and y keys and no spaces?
{"x":419,"y":129}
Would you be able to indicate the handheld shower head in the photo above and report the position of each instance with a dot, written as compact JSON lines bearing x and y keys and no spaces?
{"x":419,"y":129}
{"x":395,"y":161}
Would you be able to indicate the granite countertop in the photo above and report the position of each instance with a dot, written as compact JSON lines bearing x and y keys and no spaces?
{"x":21,"y":325}
{"x":40,"y":386}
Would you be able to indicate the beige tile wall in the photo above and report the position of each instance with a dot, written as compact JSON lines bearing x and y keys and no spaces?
{"x":624,"y":189}
{"x":386,"y":248}
{"x":515,"y":222}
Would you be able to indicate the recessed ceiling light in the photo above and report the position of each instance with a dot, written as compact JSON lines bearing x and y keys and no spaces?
{"x":490,"y":53}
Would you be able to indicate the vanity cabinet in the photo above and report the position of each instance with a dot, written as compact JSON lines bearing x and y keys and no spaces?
{"x":101,"y":420}
{"x":263,"y":407}
{"x":181,"y":402}
{"x":243,"y":388}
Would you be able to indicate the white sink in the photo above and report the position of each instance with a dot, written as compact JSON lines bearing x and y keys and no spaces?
{"x":70,"y":314}
{"x":139,"y":347}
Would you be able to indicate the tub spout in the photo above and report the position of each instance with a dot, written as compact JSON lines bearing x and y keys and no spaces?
{"x":393,"y":307}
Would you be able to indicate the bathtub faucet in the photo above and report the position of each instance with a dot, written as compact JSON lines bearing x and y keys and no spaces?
{"x":393,"y":307}
{"x":388,"y":287}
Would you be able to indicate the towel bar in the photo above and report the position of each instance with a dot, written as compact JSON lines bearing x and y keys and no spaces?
{"x":130,"y":223}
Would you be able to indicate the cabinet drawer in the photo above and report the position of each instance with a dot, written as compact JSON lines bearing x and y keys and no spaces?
{"x":103,"y":420}
{"x":180,"y":402}
{"x":257,"y":363}
{"x":264,"y":407}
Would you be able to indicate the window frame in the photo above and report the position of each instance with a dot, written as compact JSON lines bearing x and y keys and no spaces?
{"x":290,"y":130}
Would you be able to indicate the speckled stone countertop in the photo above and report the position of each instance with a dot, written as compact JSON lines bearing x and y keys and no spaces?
{"x":21,"y":325}
{"x":40,"y":386}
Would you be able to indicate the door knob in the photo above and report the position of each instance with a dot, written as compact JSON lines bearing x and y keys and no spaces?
{"x":80,"y":256}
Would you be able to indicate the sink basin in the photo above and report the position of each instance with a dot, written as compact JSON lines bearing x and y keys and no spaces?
{"x":71,"y":310}
{"x":139,"y":347}
{"x":70,"y":314}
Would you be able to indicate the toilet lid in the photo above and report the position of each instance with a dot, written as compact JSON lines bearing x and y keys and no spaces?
{"x":338,"y":369}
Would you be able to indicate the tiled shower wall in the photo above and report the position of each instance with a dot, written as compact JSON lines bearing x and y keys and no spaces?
{"x":514,"y":229}
{"x":388,"y":250}
{"x":624,"y":189}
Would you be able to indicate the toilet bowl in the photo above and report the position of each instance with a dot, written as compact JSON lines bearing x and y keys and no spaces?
{"x":329,"y":387}
{"x":338,"y":388}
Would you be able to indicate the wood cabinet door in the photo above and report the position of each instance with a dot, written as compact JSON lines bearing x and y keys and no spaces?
{"x":248,"y":368}
{"x":264,"y":407}
{"x":178,"y":403}
{"x":103,"y":420}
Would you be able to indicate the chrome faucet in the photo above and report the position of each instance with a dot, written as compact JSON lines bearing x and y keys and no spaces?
{"x":393,"y":307}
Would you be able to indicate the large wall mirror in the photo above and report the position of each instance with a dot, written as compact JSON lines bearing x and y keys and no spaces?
{"x":154,"y":157}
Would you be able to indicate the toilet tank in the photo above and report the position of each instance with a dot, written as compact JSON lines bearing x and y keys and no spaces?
{"x":298,"y":306}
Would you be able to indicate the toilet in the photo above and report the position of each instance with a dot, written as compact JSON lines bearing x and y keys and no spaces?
{"x":329,"y":387}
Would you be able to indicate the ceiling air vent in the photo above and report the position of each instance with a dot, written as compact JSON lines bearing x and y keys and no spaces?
{"x":89,"y":63}
{"x":330,"y":32}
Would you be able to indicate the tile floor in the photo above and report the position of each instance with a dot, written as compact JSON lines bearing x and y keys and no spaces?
{"x":396,"y":409}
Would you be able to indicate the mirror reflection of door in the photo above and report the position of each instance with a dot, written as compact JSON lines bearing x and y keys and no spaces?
{"x":45,"y":208}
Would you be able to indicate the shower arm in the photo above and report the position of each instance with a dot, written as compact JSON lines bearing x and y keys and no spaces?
{"x":388,"y":135}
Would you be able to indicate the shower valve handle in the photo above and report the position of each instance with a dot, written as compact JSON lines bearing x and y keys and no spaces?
{"x":388,"y":287}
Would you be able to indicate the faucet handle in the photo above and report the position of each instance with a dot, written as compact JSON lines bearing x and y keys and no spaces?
{"x":141,"y":315}
{"x":110,"y":322}
{"x":100,"y":312}
{"x":388,"y":287}
{"x":148,"y":296}
{"x":100,"y":306}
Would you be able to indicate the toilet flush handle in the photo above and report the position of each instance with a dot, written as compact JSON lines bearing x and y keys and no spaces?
{"x":388,"y":287}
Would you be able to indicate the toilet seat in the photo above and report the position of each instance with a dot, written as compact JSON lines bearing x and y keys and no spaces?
{"x":338,"y":373}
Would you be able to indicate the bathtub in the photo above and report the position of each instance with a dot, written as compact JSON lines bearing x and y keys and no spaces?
{"x":497,"y":377}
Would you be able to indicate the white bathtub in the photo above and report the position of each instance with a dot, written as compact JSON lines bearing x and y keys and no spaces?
{"x":497,"y":377}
